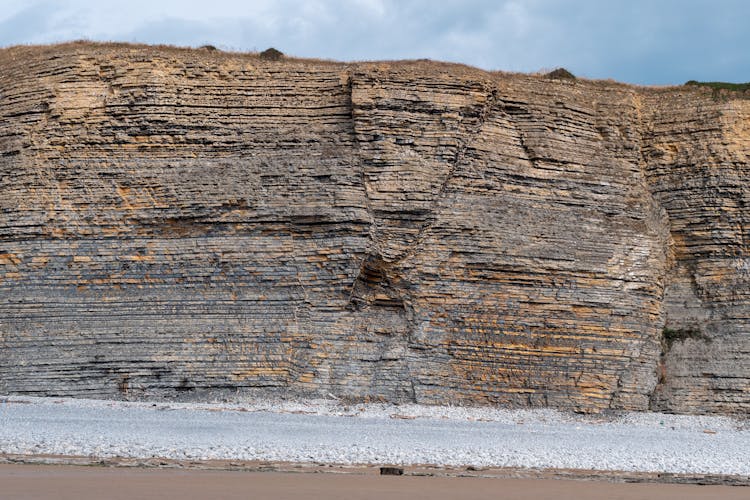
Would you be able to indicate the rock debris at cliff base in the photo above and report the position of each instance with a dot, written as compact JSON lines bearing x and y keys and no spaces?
{"x":190,"y":223}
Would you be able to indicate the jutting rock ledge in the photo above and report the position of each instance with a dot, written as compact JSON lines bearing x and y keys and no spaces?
{"x":198,"y":224}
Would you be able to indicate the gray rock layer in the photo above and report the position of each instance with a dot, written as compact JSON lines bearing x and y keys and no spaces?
{"x":195,"y":224}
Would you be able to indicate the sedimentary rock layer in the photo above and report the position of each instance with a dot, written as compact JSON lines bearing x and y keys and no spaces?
{"x":194,"y":224}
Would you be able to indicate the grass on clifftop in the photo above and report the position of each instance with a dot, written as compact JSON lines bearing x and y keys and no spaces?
{"x":737,"y":87}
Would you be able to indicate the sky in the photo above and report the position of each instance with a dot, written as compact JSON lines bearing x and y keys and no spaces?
{"x":650,"y":42}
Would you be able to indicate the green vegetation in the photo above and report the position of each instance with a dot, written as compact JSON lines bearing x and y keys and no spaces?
{"x":561,"y":74}
{"x":735,"y":87}
{"x":271,"y":54}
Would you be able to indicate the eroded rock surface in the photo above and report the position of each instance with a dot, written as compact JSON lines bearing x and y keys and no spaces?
{"x":196,"y":224}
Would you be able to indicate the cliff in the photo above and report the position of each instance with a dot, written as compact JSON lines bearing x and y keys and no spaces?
{"x":197,"y":224}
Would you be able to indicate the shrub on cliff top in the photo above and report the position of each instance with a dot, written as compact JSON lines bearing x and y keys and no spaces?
{"x":561,"y":74}
{"x":271,"y":54}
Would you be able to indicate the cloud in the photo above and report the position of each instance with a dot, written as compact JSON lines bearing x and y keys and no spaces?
{"x":36,"y":23}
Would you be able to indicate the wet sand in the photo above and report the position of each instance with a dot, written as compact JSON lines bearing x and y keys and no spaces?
{"x":25,"y":482}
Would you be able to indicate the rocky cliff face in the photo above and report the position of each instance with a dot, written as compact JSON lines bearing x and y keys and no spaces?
{"x":197,"y":224}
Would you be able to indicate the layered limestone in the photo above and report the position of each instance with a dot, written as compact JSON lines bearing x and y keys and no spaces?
{"x":195,"y":224}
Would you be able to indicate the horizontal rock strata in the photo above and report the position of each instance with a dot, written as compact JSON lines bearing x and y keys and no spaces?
{"x":197,"y":224}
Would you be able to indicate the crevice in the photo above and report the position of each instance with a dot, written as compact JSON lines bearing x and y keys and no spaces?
{"x":354,"y":302}
{"x":374,"y":287}
{"x":670,"y":264}
{"x":516,"y":114}
{"x":470,"y":137}
{"x":358,"y":152}
{"x":377,"y":288}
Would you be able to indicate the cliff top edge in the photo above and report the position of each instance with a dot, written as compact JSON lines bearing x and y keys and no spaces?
{"x":13,"y":54}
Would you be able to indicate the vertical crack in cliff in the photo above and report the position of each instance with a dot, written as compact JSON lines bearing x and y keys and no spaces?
{"x":470,"y":137}
{"x":358,"y":153}
{"x":378,"y":285}
{"x":377,"y":299}
{"x":517,"y":116}
{"x":372,"y":241}
{"x":660,"y":218}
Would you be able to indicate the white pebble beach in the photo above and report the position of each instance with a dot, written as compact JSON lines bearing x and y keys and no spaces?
{"x":326,"y":431}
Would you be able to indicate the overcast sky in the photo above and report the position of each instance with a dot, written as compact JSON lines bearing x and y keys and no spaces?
{"x":637,"y":41}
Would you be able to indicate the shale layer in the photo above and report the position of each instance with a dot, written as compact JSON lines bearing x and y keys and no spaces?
{"x":196,"y":224}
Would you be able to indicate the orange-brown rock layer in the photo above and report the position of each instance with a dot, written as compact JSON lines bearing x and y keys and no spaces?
{"x":196,"y":224}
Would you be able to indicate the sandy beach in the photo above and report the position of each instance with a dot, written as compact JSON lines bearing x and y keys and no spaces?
{"x":34,"y":482}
